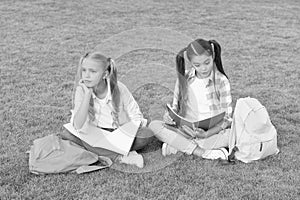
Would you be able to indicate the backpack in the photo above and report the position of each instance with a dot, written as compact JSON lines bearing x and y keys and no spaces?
{"x":253,"y":135}
{"x":51,"y":154}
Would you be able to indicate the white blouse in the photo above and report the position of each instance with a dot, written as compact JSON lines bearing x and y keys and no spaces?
{"x":197,"y":107}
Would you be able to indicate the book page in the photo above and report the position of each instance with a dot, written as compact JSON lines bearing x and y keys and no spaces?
{"x":89,"y":134}
{"x":204,"y":124}
{"x":119,"y":141}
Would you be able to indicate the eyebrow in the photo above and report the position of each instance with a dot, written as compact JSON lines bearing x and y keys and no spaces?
{"x":202,"y":62}
{"x":87,"y":67}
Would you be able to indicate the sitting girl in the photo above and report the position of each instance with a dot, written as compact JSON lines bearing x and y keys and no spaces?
{"x":106,"y":103}
{"x":201,"y":92}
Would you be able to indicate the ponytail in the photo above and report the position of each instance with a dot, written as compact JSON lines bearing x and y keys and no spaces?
{"x":91,"y":110}
{"x":182,"y":82}
{"x":77,"y":78}
{"x":216,"y":53}
{"x":114,"y":89}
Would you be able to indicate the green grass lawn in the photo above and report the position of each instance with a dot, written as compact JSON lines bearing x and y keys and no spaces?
{"x":42,"y":41}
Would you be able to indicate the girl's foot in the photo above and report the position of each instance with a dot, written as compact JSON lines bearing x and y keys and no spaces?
{"x":133,"y":158}
{"x":168,"y":150}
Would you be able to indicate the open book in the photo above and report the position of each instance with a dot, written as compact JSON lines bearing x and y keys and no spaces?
{"x":204,"y":124}
{"x":119,"y":141}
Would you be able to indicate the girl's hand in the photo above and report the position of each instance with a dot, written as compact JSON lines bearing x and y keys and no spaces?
{"x":87,"y":91}
{"x":196,"y":133}
{"x":167,"y":119}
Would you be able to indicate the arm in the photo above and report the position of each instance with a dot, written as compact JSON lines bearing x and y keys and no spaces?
{"x":175,"y":96}
{"x":200,"y":133}
{"x":81,"y":107}
{"x":166,"y":118}
{"x":130,"y":105}
{"x":225,"y":102}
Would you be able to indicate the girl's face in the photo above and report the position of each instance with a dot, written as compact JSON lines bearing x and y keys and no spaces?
{"x":203,"y":64}
{"x":92,"y":72}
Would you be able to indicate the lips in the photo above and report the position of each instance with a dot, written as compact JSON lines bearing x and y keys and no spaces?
{"x":204,"y":72}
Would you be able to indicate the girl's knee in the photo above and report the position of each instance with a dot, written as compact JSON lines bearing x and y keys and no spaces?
{"x":156,"y":126}
{"x":140,"y":143}
{"x":145,"y":132}
{"x":143,"y":137}
{"x":65,"y":135}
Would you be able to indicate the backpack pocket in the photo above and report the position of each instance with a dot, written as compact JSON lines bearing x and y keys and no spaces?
{"x":257,"y":150}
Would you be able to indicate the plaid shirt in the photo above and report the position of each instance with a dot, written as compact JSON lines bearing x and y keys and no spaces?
{"x":219,"y":95}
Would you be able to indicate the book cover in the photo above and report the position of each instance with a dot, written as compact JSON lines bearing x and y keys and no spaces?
{"x":119,"y":140}
{"x":204,"y":124}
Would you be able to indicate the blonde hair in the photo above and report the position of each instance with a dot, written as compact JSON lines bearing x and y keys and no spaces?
{"x":109,"y":65}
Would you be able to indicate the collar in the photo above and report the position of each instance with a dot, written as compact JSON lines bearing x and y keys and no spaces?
{"x":108,"y":95}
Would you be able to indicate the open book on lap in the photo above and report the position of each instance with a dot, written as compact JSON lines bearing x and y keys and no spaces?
{"x":204,"y":124}
{"x":119,"y":140}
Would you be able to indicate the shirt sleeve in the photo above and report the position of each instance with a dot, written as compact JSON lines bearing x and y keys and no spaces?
{"x":79,"y":95}
{"x":130,"y":105}
{"x":226,"y":102}
{"x":175,"y":96}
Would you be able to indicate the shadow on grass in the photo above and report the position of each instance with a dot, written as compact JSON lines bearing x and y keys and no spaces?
{"x":151,"y":98}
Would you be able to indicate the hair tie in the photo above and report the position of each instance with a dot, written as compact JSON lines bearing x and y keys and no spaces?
{"x":112,"y":66}
{"x":194,"y":50}
{"x":212,"y":49}
{"x":86,"y":54}
{"x":83,"y":57}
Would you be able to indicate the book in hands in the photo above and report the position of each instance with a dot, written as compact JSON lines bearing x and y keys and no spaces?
{"x":203,"y":124}
{"x":119,"y":140}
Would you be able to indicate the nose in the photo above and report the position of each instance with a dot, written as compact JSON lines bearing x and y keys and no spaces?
{"x":204,"y":68}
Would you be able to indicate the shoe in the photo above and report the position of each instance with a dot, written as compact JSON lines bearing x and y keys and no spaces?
{"x":133,"y":158}
{"x":213,"y":154}
{"x":168,"y":150}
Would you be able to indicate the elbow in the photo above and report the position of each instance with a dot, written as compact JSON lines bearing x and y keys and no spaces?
{"x":77,"y":125}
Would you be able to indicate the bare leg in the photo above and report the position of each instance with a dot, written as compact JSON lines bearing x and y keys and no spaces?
{"x":97,"y":150}
{"x":144,"y":136}
{"x":65,"y":135}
